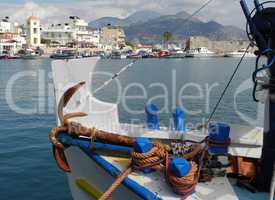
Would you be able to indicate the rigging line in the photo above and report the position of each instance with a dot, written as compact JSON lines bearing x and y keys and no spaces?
{"x":194,"y":13}
{"x":227,"y":85}
{"x":198,"y":10}
{"x":116,"y":75}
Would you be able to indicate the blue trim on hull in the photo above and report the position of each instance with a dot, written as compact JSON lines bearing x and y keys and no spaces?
{"x":129,"y":183}
{"x":85,"y":145}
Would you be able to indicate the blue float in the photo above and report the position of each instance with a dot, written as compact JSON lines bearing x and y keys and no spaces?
{"x":152,"y":116}
{"x":143,"y":145}
{"x":179,"y":119}
{"x":218,"y":132}
{"x":179,"y":167}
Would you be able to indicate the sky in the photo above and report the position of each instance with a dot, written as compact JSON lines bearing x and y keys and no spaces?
{"x":227,"y":12}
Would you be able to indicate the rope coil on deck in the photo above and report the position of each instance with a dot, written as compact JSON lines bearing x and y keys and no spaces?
{"x":154,"y":158}
{"x":186,"y":184}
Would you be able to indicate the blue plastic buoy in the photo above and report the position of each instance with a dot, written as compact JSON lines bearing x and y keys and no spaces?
{"x":179,"y":119}
{"x":218,"y":132}
{"x":143,"y":145}
{"x":152,"y":116}
{"x":179,"y":167}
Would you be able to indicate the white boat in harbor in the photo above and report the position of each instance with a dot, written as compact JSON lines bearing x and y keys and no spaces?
{"x":30,"y":54}
{"x":240,"y":53}
{"x":200,"y":52}
{"x":176,"y":53}
{"x":90,"y":173}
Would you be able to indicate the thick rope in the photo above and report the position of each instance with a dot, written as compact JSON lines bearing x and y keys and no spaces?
{"x":108,"y":193}
{"x":184,"y":185}
{"x":154,"y":158}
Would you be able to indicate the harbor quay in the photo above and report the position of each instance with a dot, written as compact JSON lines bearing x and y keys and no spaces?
{"x":76,"y":39}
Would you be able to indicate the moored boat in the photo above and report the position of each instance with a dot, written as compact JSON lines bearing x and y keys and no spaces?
{"x":30,"y":54}
{"x":104,"y":158}
{"x":177,"y":53}
{"x":91,"y":169}
{"x":240,"y":53}
{"x":199,"y":52}
{"x":64,"y":54}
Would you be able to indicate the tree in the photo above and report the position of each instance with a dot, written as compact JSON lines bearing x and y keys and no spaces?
{"x":167,"y":36}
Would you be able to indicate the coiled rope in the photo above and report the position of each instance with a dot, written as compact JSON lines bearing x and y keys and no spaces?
{"x":154,"y":159}
{"x":184,"y":185}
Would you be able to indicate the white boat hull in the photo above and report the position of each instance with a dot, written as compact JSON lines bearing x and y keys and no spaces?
{"x":83,"y":167}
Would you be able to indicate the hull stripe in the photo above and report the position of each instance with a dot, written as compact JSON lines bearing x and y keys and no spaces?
{"x":129,"y":183}
{"x":88,"y":188}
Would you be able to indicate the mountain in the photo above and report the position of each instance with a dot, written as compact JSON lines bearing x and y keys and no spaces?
{"x":147,"y":27}
{"x":105,"y":21}
{"x":137,"y":17}
{"x":141,"y":16}
{"x":151,"y":31}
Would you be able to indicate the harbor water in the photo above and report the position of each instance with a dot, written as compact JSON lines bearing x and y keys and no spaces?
{"x":27,"y":167}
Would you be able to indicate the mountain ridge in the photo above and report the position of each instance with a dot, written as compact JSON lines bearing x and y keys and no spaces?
{"x":147,"y":27}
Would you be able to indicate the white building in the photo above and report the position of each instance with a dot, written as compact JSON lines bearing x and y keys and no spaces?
{"x":11,"y":37}
{"x":33,"y":32}
{"x":76,"y":31}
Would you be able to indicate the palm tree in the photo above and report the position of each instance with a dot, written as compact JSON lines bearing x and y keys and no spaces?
{"x":167,"y":36}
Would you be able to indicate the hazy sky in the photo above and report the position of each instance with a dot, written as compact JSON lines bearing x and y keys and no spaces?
{"x":52,"y":11}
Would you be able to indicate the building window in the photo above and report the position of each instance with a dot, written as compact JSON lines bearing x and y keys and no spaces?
{"x":34,"y":23}
{"x":35,"y":30}
{"x":35,"y":40}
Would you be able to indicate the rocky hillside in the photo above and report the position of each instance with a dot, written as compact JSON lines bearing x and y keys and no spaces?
{"x":148,"y":27}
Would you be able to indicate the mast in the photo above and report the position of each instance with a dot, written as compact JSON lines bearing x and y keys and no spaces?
{"x":262,"y":30}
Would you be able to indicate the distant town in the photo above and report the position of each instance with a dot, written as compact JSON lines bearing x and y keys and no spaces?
{"x":76,"y":38}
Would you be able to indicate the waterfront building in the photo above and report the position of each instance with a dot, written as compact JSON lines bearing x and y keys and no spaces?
{"x":76,"y":32}
{"x":112,"y":37}
{"x":12,"y":37}
{"x":216,"y":46}
{"x":33,"y":32}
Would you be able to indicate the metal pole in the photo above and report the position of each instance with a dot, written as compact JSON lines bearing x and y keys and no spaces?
{"x":268,"y":151}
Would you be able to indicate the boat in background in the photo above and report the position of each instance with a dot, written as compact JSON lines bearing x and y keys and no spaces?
{"x":64,"y":54}
{"x":30,"y":54}
{"x":163,"y":54}
{"x":199,"y":52}
{"x":5,"y":55}
{"x":177,"y":53}
{"x":240,"y":53}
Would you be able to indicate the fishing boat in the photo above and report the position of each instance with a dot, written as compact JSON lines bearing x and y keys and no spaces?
{"x":30,"y":54}
{"x":177,"y":53}
{"x":104,"y":158}
{"x":163,"y":54}
{"x":5,"y":55}
{"x":239,"y":53}
{"x":64,"y":54}
{"x":200,"y":52}
{"x":8,"y":57}
{"x":134,"y":56}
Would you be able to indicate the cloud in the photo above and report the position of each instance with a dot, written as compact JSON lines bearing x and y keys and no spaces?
{"x":224,"y":11}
